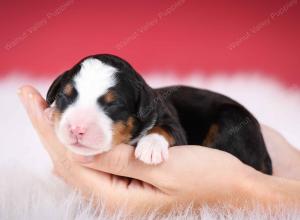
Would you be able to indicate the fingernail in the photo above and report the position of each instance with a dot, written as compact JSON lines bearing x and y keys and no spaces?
{"x":21,"y":97}
{"x":83,"y":159}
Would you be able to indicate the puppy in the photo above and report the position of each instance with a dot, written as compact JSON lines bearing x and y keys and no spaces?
{"x":102,"y":101}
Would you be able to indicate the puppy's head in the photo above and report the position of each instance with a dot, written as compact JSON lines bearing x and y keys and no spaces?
{"x":99,"y":103}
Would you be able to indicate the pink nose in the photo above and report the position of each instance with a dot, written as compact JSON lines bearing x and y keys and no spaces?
{"x":77,"y":131}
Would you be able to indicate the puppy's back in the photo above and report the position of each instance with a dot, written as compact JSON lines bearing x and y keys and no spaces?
{"x":214,"y":120}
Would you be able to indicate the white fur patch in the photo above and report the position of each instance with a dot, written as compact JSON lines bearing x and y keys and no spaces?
{"x":152,"y":149}
{"x":93,"y":81}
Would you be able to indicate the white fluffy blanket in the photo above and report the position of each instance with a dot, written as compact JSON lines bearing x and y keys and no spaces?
{"x":28,"y":190}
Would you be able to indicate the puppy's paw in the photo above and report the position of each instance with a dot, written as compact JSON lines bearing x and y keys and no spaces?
{"x":152,"y":149}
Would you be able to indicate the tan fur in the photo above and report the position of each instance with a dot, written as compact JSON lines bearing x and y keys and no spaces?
{"x":68,"y":89}
{"x":122,"y":131}
{"x":164,"y":133}
{"x":211,"y":135}
{"x":109,"y":97}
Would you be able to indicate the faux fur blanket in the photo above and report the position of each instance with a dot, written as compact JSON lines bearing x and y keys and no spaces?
{"x":28,"y":190}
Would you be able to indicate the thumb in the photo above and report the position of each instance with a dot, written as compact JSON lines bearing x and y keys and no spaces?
{"x":37,"y":111}
{"x":120,"y":161}
{"x":33,"y":103}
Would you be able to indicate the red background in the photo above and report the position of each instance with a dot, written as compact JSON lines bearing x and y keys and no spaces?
{"x":183,"y":36}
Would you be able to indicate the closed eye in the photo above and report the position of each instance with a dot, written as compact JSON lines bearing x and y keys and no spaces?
{"x":61,"y":95}
{"x":62,"y":99}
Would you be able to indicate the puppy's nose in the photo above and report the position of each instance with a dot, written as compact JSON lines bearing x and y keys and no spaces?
{"x":77,"y":131}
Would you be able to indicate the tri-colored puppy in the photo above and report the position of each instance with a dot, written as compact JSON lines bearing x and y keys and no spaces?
{"x":102,"y":101}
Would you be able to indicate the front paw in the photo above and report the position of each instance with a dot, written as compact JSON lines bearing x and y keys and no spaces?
{"x":152,"y":149}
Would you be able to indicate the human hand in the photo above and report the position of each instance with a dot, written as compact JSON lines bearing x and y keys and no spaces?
{"x":192,"y":174}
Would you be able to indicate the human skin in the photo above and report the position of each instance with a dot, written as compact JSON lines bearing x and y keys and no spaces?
{"x":192,"y":174}
{"x":285,"y":157}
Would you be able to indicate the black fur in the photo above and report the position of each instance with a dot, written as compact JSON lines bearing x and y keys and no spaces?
{"x":239,"y":132}
{"x":185,"y":113}
{"x":55,"y":92}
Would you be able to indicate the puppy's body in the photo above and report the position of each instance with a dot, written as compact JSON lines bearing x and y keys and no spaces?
{"x":102,"y":101}
{"x":213,"y":120}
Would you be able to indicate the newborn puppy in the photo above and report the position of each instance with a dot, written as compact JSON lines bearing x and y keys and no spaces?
{"x":102,"y":101}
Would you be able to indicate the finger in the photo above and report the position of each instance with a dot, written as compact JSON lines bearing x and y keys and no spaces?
{"x":37,"y":110}
{"x":121,"y":161}
{"x":108,"y":188}
{"x":36,"y":107}
{"x":33,"y":103}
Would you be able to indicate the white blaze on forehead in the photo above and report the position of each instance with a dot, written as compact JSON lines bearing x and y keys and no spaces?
{"x":93,"y":80}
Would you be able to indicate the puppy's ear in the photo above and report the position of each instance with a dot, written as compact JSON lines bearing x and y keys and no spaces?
{"x":145,"y":104}
{"x":54,"y":88}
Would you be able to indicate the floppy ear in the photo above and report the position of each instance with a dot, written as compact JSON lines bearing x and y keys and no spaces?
{"x":54,"y":88}
{"x":145,"y":105}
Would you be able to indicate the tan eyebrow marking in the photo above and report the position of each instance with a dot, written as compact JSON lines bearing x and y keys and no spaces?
{"x":68,"y":89}
{"x":109,"y":97}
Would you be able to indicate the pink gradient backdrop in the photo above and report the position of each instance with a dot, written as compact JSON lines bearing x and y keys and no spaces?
{"x":184,"y":36}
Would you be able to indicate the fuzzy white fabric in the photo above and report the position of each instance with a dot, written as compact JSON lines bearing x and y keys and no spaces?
{"x":28,"y":190}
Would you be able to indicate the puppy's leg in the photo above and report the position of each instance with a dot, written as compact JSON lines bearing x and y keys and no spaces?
{"x":153,"y":148}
